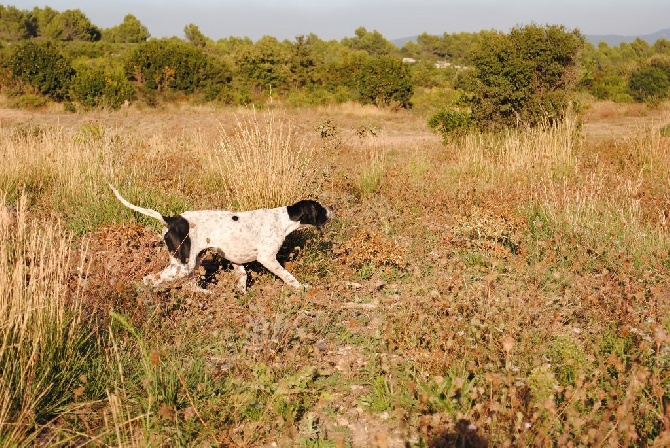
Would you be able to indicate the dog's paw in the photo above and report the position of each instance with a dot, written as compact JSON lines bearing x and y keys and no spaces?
{"x":195,"y":287}
{"x":151,"y":280}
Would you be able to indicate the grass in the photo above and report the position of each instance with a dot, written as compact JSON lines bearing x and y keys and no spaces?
{"x":261,"y":165}
{"x":507,"y":289}
{"x":43,"y":328}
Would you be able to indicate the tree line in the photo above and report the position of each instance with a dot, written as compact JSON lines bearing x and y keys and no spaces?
{"x":483,"y":79}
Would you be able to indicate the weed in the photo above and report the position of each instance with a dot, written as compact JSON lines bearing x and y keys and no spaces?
{"x":369,"y":180}
{"x":261,"y":165}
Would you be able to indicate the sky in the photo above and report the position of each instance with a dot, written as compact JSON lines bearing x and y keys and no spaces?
{"x":394,"y":19}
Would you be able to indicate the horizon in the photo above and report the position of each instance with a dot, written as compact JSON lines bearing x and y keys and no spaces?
{"x":394,"y":19}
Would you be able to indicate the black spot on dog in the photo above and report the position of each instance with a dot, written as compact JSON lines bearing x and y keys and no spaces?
{"x":235,"y":217}
{"x":308,"y":212}
{"x":176,"y":237}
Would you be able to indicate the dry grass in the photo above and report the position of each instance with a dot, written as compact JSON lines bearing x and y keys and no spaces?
{"x":42,"y":329}
{"x":508,"y":290}
{"x":261,"y":164}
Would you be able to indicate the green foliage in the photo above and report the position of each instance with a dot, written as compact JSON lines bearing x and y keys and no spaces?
{"x":28,"y":101}
{"x":173,"y":65}
{"x":42,"y":66}
{"x":71,"y":24}
{"x":450,"y":123}
{"x":129,"y":31}
{"x":385,"y":81}
{"x":568,"y":360}
{"x":372,"y":42}
{"x":194,"y":36}
{"x":456,"y":48}
{"x":651,"y":82}
{"x":16,"y":24}
{"x":266,"y":64}
{"x":303,"y":61}
{"x":524,"y":77}
{"x":96,"y":87}
{"x":611,"y":87}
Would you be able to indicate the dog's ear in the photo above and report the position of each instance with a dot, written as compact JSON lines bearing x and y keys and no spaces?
{"x":308,"y":213}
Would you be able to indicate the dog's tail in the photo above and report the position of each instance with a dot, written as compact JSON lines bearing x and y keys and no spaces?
{"x":145,"y":211}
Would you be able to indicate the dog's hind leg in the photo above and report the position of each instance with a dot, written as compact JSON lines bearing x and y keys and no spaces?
{"x":241,"y":277}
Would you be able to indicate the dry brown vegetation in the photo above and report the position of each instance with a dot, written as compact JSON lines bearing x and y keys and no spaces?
{"x":504,"y":290}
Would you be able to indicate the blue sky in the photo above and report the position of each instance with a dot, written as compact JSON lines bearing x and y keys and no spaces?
{"x":331,"y":19}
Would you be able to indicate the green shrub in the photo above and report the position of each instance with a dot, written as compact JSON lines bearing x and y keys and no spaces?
{"x":28,"y":101}
{"x":524,"y":77}
{"x":42,"y":66}
{"x":651,"y":82}
{"x":95,"y":87}
{"x":450,"y":123}
{"x":611,"y":87}
{"x":173,"y":65}
{"x":385,"y":81}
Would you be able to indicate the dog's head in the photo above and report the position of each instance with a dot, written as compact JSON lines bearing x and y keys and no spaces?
{"x":309,"y":213}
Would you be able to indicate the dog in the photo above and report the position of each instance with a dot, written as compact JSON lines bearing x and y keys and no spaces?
{"x":239,"y":237}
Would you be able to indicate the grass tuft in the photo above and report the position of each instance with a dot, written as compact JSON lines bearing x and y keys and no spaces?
{"x":45,"y":344}
{"x":264,"y":164}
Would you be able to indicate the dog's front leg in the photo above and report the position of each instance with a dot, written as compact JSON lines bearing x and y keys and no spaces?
{"x":273,"y":266}
{"x":175,"y":270}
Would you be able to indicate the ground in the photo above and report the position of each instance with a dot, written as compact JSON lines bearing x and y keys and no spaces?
{"x":412,"y":282}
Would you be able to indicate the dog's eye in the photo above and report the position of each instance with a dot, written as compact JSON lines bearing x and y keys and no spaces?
{"x":235,"y":217}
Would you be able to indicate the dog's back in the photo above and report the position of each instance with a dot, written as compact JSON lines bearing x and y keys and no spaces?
{"x":240,"y":235}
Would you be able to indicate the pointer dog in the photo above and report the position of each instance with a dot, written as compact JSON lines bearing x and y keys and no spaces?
{"x":240,"y":237}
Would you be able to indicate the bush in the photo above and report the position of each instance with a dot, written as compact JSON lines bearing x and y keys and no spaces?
{"x":28,"y":101}
{"x":450,"y":123}
{"x":651,"y":82}
{"x":524,"y":77}
{"x":611,"y":87}
{"x":43,"y":67}
{"x":385,"y":81}
{"x":95,"y":87}
{"x":174,"y":65}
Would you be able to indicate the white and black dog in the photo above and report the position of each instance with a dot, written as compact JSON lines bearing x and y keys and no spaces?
{"x":239,"y":237}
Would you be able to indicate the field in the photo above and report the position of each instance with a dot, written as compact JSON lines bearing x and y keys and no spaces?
{"x":498,"y":290}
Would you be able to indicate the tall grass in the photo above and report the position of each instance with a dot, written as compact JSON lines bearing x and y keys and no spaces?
{"x":607,"y":200}
{"x":264,"y":164}
{"x":44,"y":344}
{"x":369,"y":180}
{"x":59,"y":170}
{"x":537,"y":152}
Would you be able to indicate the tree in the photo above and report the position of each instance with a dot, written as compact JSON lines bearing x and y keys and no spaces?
{"x":302,"y":61}
{"x":662,"y":46}
{"x":96,"y":87}
{"x":72,"y":24}
{"x":651,"y":82}
{"x":434,"y":45}
{"x":385,"y":81}
{"x":524,"y":77}
{"x":16,"y":24}
{"x":372,"y":42}
{"x":130,"y":31}
{"x":194,"y":36}
{"x":43,"y":67}
{"x":266,"y":64}
{"x":174,"y":65}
